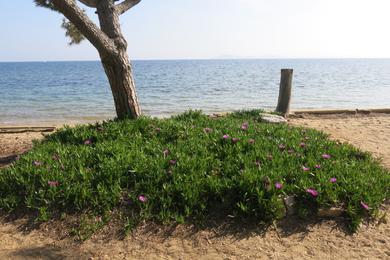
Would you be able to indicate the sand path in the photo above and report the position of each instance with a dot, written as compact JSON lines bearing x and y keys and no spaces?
{"x":292,"y":240}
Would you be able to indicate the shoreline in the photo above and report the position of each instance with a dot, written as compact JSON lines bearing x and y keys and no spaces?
{"x":293,"y":113}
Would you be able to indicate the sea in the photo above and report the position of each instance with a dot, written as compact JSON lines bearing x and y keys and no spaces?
{"x":78,"y":91}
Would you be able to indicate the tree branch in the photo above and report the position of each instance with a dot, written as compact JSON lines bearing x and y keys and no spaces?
{"x":126,"y":5}
{"x":89,"y":3}
{"x":81,"y":21}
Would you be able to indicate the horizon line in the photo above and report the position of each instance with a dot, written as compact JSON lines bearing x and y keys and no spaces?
{"x":200,"y":59}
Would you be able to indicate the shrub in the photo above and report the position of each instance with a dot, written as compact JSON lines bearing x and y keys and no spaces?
{"x":189,"y":166}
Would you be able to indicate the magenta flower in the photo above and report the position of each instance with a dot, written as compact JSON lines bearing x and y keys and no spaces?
{"x":282,"y":147}
{"x":172,"y":162}
{"x":225,"y":137}
{"x":142,"y":198}
{"x":88,"y":142}
{"x":207,"y":130}
{"x":158,"y":130}
{"x":318,"y":166}
{"x":312,"y":192}
{"x":278,"y":186}
{"x":235,"y":140}
{"x":326,"y":156}
{"x":37,"y":163}
{"x":302,"y":144}
{"x":333,"y":180}
{"x":166,"y":152}
{"x":306,"y":169}
{"x":244,"y":126}
{"x":53,"y":183}
{"x":364,"y":205}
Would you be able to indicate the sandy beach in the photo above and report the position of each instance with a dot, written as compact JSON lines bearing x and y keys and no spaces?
{"x":292,"y":239}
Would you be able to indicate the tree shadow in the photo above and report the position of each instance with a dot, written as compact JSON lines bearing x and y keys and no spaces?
{"x":41,"y":252}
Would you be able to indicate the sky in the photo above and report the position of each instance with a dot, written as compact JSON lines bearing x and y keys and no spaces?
{"x":209,"y":29}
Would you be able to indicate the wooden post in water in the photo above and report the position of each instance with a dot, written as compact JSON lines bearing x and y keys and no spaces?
{"x":285,"y":92}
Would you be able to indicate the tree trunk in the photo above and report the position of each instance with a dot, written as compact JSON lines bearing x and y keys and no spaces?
{"x":120,"y":77}
{"x":116,"y":64}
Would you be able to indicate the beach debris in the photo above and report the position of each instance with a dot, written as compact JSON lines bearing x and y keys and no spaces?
{"x":289,"y":203}
{"x":272,"y":119}
{"x":330,"y":212}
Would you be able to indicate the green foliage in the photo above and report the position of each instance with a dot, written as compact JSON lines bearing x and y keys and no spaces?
{"x":72,"y":32}
{"x":182,"y":169}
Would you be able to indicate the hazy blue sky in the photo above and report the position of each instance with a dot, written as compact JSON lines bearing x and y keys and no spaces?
{"x":177,"y":29}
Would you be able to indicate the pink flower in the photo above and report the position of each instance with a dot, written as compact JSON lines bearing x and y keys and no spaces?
{"x":53,"y":183}
{"x":172,"y":162}
{"x":225,"y":137}
{"x":166,"y":152}
{"x":37,"y":163}
{"x":318,"y":166}
{"x":282,"y":147}
{"x":364,"y":205}
{"x":142,"y":198}
{"x":207,"y":130}
{"x":302,"y":144}
{"x":290,"y":151}
{"x":158,"y":130}
{"x":278,"y":186}
{"x":88,"y":142}
{"x":306,"y":169}
{"x":251,"y":141}
{"x":312,"y":192}
{"x":235,"y":140}
{"x":333,"y":180}
{"x":244,"y":126}
{"x":326,"y":156}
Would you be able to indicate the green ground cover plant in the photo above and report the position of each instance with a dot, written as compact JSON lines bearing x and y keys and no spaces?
{"x":187,"y":167}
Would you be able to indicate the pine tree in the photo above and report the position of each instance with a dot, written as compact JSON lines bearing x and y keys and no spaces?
{"x":109,"y":41}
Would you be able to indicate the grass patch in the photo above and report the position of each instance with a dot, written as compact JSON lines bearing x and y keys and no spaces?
{"x":188,"y":167}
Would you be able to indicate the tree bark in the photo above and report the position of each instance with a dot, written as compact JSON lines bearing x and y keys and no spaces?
{"x":119,"y":73}
{"x":117,"y":65}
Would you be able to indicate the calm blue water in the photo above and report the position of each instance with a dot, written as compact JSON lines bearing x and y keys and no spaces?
{"x":34,"y":92}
